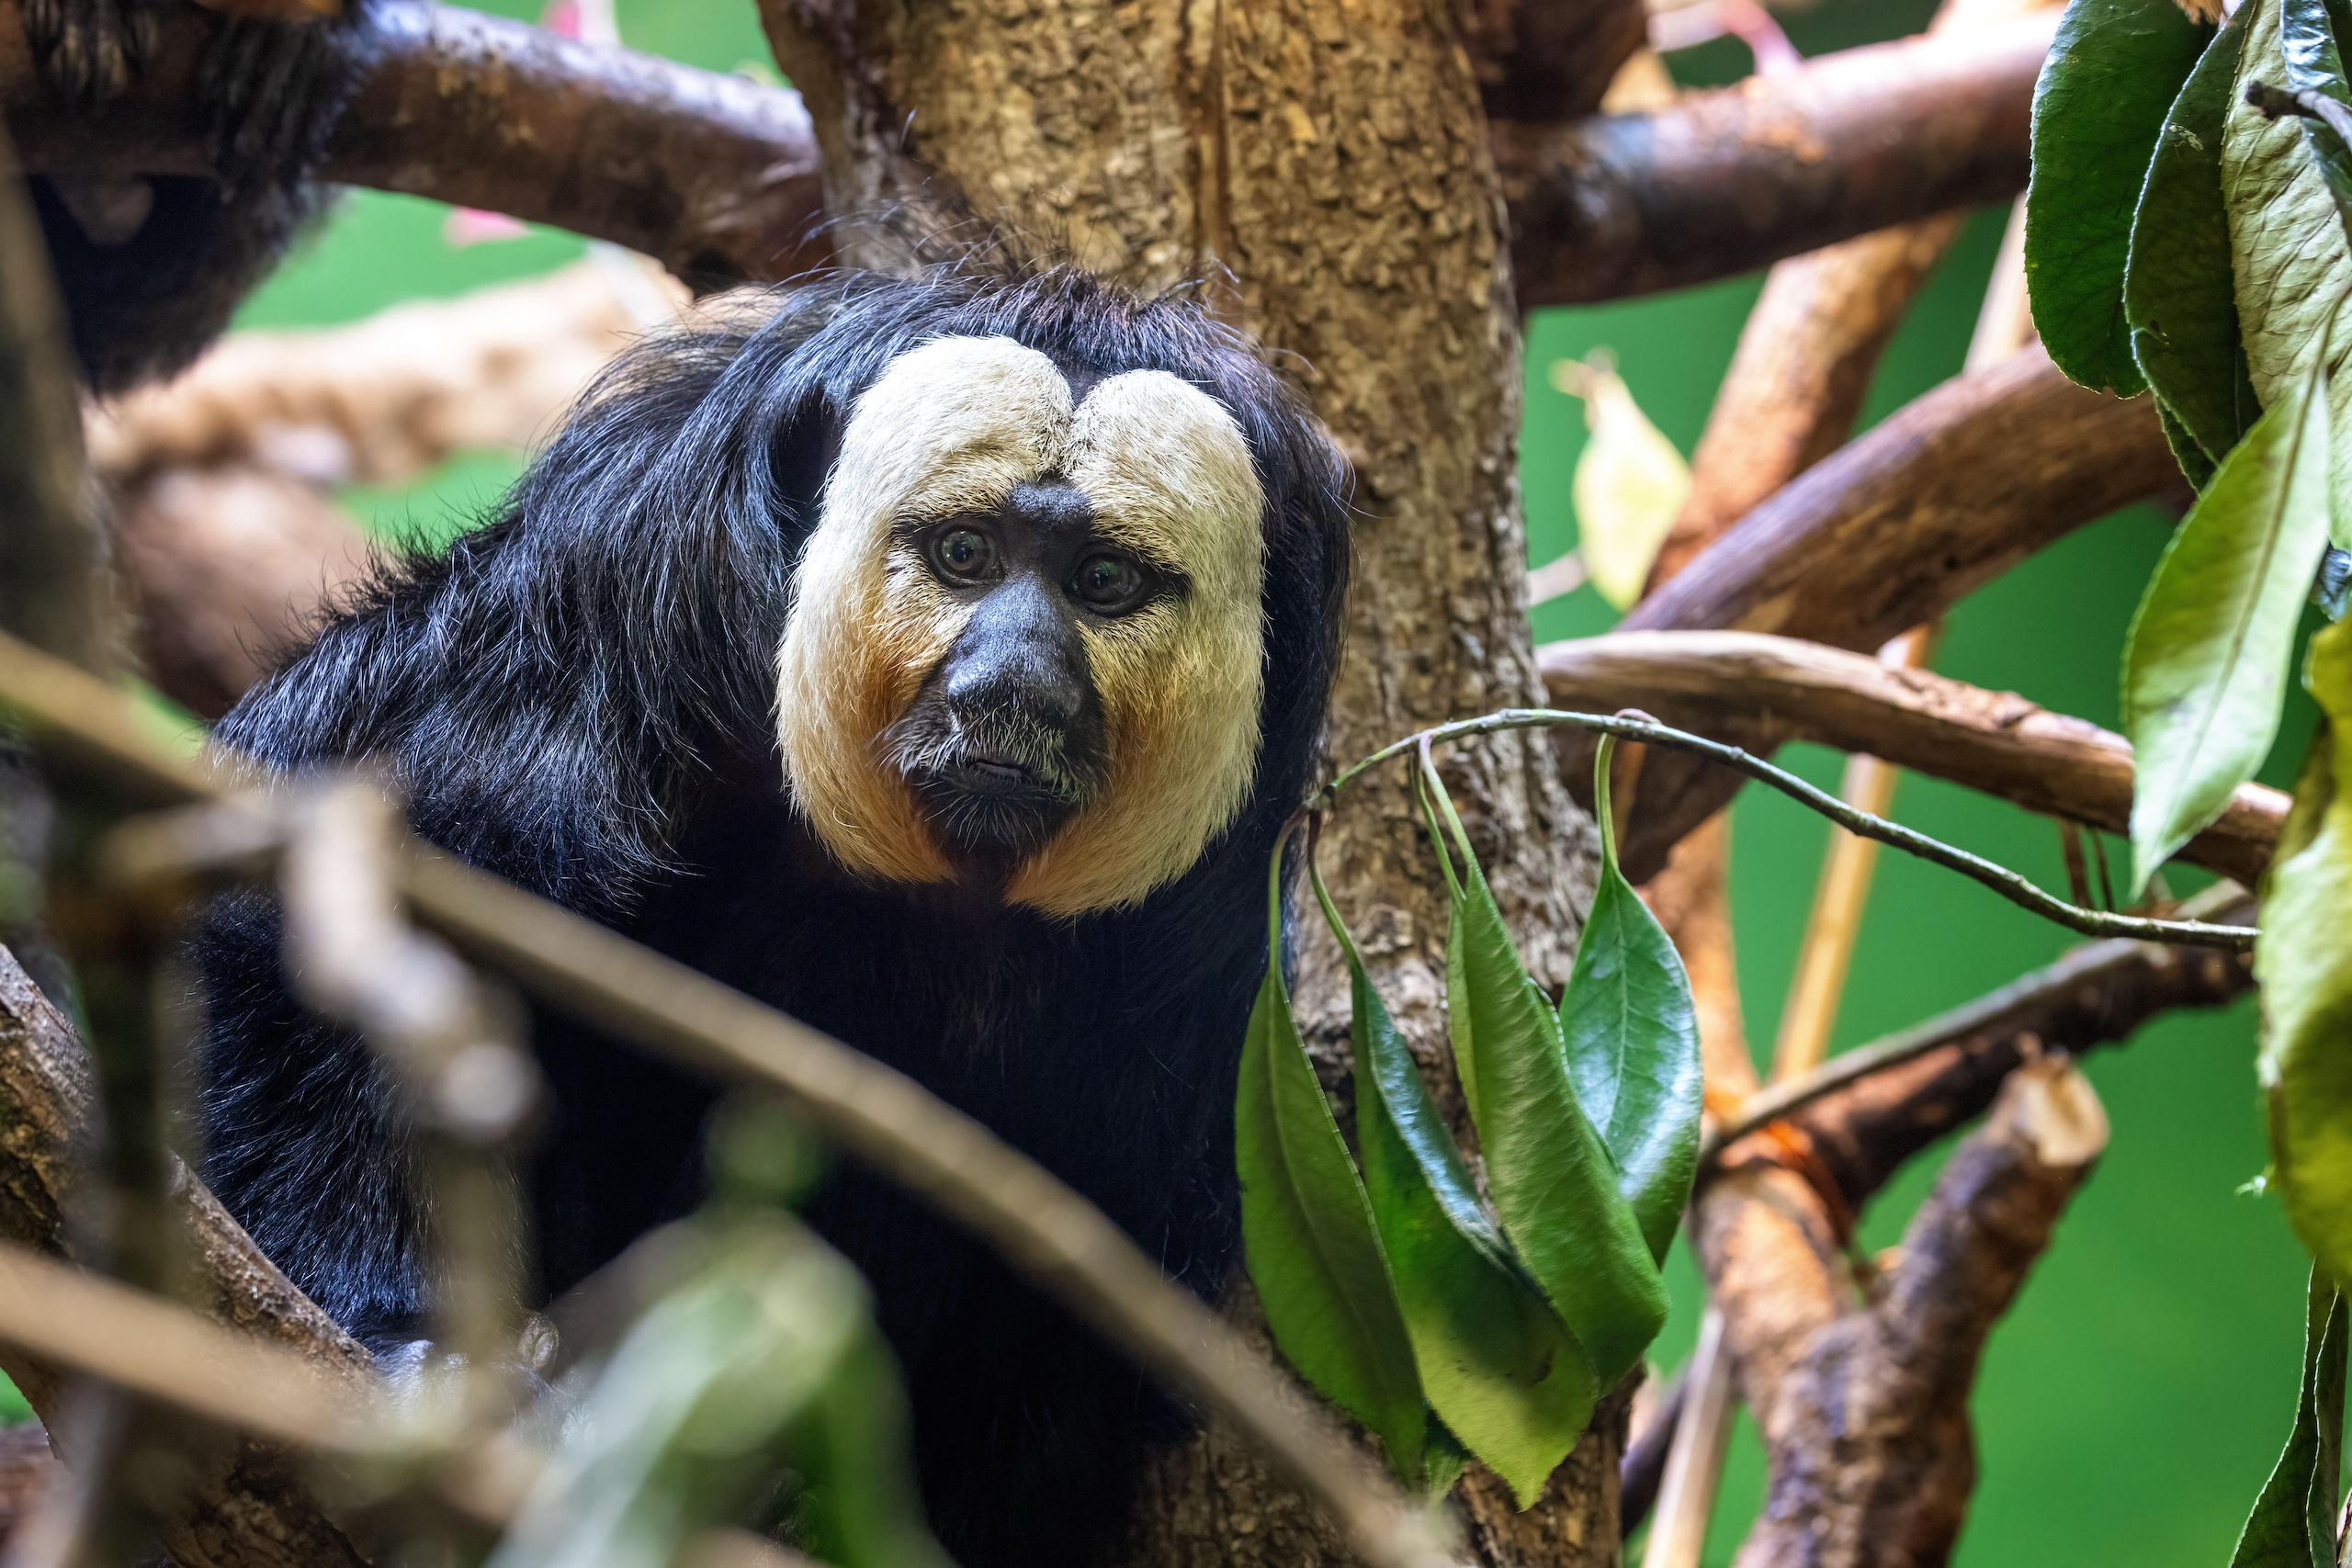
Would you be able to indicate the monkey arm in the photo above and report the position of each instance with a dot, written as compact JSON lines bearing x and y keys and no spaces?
{"x":152,"y":269}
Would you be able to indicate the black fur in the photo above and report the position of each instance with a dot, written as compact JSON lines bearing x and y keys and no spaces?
{"x":580,"y":697}
{"x":143,"y":306}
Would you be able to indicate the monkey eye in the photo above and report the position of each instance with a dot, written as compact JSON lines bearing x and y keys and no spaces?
{"x":1110,"y":584}
{"x":964,"y":554}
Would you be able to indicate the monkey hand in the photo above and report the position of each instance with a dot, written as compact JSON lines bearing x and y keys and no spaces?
{"x":273,"y":91}
{"x":88,"y":50}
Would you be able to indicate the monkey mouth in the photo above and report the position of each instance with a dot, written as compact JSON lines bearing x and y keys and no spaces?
{"x":990,"y":799}
{"x":996,"y":773}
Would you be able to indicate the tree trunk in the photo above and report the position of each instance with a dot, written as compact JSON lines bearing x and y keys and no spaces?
{"x":1327,"y":169}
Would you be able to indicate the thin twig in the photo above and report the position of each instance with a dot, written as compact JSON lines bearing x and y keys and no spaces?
{"x":1995,"y":742}
{"x":1999,"y":878}
{"x":449,"y":1041}
{"x":166,"y":1355}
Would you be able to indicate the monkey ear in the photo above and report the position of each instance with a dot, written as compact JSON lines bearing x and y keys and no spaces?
{"x":800,"y":461}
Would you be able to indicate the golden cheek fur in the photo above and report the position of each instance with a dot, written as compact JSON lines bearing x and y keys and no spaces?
{"x":953,"y":426}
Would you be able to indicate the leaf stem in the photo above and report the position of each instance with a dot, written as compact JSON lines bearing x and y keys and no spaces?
{"x":2008,"y":883}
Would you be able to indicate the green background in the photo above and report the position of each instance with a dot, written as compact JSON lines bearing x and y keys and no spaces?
{"x":2131,"y":1405}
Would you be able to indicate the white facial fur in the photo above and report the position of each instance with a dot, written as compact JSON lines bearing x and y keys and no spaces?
{"x":953,"y":426}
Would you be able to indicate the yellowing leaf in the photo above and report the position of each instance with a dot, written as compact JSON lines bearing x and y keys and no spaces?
{"x":1630,"y":482}
{"x":2305,"y":968}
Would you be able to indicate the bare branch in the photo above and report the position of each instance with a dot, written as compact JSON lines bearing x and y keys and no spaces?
{"x":1994,"y":742}
{"x":1867,"y":1426}
{"x":1796,"y":382}
{"x":224,"y":570}
{"x":381,"y":400}
{"x":717,"y":176}
{"x":2097,"y":995}
{"x":1727,"y":181}
{"x":1940,"y":497}
{"x":1778,"y":1198}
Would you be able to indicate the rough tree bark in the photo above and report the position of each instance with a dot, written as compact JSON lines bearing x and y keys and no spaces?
{"x":1339,"y":169}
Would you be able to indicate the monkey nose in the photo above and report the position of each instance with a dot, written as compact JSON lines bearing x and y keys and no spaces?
{"x":1027,"y":689}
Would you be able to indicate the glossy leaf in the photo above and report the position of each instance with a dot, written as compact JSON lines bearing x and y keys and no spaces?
{"x":2293,"y":1521}
{"x":2289,"y":262}
{"x":1307,"y":1232}
{"x":1554,"y":1183}
{"x":1632,"y":1036}
{"x":2305,"y":969}
{"x":2205,"y":665}
{"x":2111,"y":74}
{"x":2177,"y":294}
{"x":1499,"y":1368}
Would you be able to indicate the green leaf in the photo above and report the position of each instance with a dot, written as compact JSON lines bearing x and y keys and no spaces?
{"x":2205,"y":665}
{"x":1308,"y":1233}
{"x":2288,"y":258}
{"x":2177,"y":294}
{"x":1553,"y":1181}
{"x":2293,"y":1521}
{"x":1632,"y":1036}
{"x":2305,"y":969}
{"x":2186,"y":449}
{"x":2112,"y":72}
{"x":1499,"y":1367}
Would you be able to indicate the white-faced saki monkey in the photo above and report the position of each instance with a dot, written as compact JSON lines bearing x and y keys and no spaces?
{"x":936,"y":660}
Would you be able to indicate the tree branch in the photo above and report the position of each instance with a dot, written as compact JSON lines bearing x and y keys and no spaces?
{"x":1796,"y":383}
{"x":1864,"y":1412}
{"x":1776,"y":1200}
{"x":1892,"y":529}
{"x":1548,"y":61}
{"x":718,"y":176}
{"x":1994,"y":742}
{"x":225,"y":569}
{"x":1882,"y":1102}
{"x":1727,"y":181}
{"x":381,"y":400}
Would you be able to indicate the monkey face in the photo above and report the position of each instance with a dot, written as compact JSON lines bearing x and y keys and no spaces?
{"x":1025,"y":645}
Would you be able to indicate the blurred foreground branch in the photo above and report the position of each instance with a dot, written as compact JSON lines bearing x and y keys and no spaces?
{"x":243,"y":1505}
{"x":952,"y":1162}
